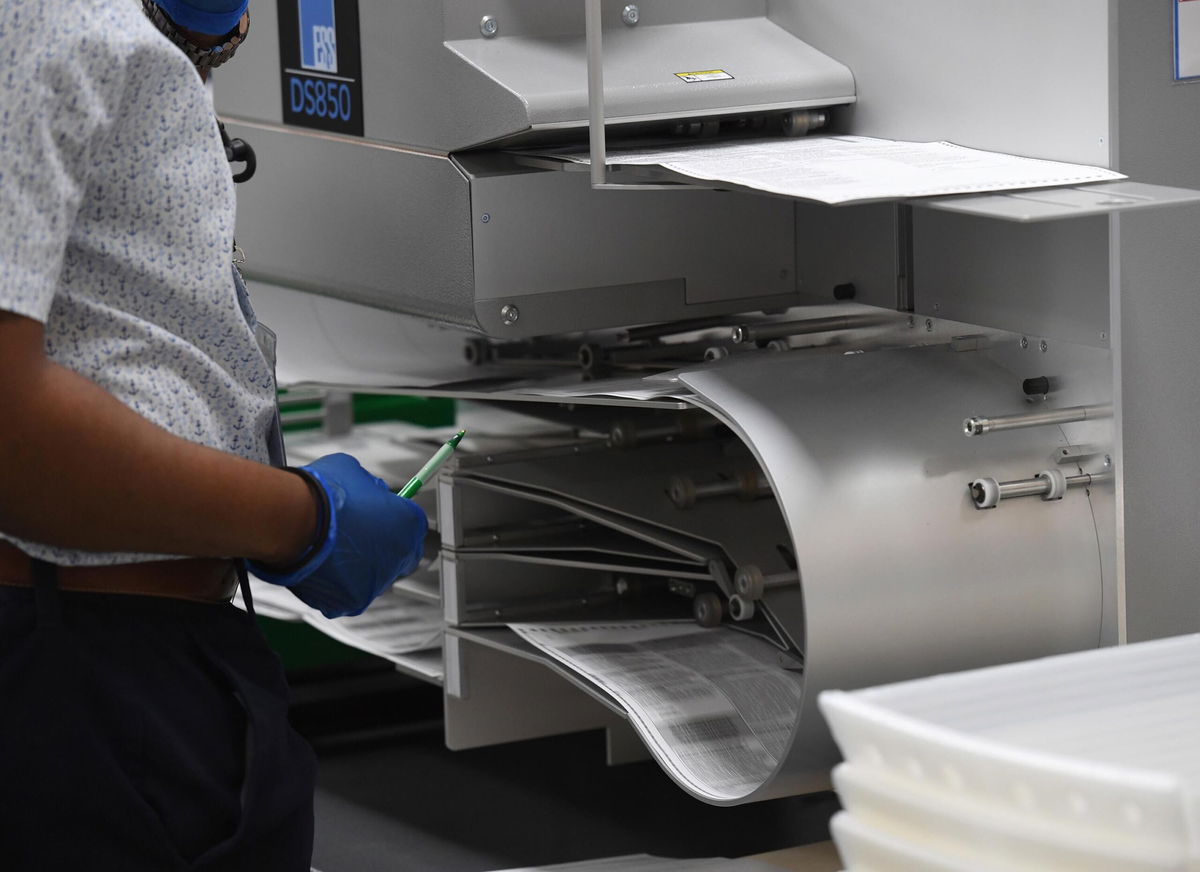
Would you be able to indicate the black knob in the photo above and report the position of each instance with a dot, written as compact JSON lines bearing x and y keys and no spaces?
{"x":1036,"y":386}
{"x":476,"y":351}
{"x":845,"y":291}
{"x":591,"y":357}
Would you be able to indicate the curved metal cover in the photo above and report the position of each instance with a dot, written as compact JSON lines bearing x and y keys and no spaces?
{"x":901,"y":575}
{"x":768,"y":68}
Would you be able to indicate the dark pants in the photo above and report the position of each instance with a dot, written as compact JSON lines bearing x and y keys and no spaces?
{"x":142,"y":733}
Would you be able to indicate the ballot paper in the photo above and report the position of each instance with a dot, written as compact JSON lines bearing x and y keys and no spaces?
{"x":395,"y":450}
{"x":714,"y":706}
{"x":630,"y":389}
{"x":852,"y":169}
{"x":395,"y":625}
{"x":648,"y":863}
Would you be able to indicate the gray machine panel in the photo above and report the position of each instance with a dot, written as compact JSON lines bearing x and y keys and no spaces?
{"x":657,"y":256}
{"x":1046,"y":280}
{"x":858,"y":245}
{"x":768,"y":68}
{"x":1021,"y":76}
{"x":394,"y":233}
{"x":456,"y":240}
{"x":416,"y":91}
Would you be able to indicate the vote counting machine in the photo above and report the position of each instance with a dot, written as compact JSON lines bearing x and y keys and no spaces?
{"x":891,"y":439}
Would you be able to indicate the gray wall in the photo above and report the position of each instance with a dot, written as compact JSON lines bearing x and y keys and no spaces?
{"x":1156,"y":316}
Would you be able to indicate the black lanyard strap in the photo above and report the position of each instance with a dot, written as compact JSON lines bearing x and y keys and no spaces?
{"x":45,"y":593}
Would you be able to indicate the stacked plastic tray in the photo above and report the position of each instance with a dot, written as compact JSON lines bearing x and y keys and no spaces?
{"x":1086,"y":761}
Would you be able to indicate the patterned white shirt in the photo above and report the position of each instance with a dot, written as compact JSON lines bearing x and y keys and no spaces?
{"x":116,"y":225}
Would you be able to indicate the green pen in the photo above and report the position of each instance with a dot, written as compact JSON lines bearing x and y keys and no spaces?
{"x":429,"y":470}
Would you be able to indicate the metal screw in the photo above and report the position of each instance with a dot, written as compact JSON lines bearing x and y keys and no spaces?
{"x":485,"y":217}
{"x":937,"y":307}
{"x":489,"y":26}
{"x":1107,"y":461}
{"x":630,"y":14}
{"x":929,"y":325}
{"x":509,"y":313}
{"x":1044,"y":345}
{"x":1024,"y":342}
{"x":1103,"y":335}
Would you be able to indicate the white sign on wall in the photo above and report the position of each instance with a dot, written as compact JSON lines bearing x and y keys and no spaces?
{"x":1187,"y":39}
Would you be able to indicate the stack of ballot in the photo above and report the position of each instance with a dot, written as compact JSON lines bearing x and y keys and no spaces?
{"x":713,"y":706}
{"x":848,"y":169}
{"x":1087,"y":761}
{"x":399,"y":626}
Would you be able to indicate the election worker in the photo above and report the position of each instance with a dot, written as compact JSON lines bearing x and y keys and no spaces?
{"x":143,"y":720}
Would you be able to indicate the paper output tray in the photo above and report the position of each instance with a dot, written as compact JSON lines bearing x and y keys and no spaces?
{"x":1052,"y":204}
{"x":898,"y":573}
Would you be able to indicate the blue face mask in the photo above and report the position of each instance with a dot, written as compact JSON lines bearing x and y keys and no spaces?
{"x":213,"y":17}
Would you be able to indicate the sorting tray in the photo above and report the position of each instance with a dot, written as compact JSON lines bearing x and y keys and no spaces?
{"x":1102,"y":747}
{"x":864,"y":848}
{"x":953,"y":827}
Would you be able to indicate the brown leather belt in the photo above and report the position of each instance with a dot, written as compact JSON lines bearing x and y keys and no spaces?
{"x":201,"y":579}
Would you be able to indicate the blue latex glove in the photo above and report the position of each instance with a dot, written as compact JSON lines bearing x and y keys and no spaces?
{"x":373,"y":537}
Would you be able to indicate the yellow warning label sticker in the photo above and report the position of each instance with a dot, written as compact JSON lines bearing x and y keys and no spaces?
{"x":704,"y":76}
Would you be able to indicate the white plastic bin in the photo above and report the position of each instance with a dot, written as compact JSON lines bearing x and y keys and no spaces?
{"x":866,"y":849}
{"x":953,"y":826}
{"x":1103,"y":746}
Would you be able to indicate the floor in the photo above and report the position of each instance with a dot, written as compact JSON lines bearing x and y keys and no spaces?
{"x":398,"y":800}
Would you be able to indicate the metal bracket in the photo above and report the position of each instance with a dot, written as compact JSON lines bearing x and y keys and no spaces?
{"x":1076,"y":454}
{"x":594,"y":28}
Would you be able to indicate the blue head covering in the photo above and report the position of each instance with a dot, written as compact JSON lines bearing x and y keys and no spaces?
{"x":214,"y":17}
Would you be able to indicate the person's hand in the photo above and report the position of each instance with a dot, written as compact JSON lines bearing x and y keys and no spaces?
{"x":369,"y":538}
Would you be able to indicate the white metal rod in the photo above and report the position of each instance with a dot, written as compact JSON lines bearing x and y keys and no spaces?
{"x":595,"y":64}
{"x":980,"y":425}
